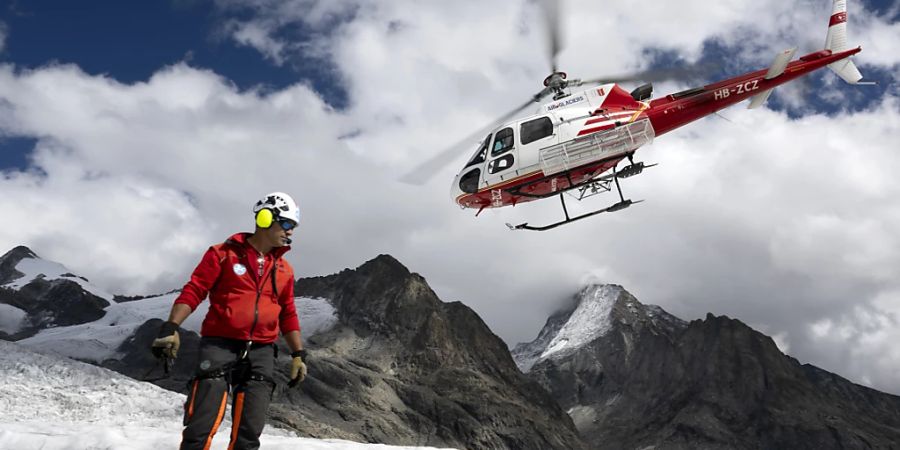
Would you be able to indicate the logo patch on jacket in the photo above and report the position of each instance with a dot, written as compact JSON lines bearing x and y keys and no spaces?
{"x":239,"y":269}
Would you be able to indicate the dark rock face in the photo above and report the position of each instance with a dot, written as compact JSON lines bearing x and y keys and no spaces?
{"x":52,"y":303}
{"x":654,"y":382}
{"x":133,"y":298}
{"x":9,"y":261}
{"x":59,"y":303}
{"x":404,"y":368}
{"x":138,"y":362}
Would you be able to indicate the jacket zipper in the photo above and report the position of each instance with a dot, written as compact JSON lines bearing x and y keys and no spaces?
{"x":255,"y":314}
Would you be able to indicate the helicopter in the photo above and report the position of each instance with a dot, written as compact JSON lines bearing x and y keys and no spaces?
{"x":577,"y":141}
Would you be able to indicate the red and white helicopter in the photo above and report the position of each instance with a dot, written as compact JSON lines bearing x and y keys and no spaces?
{"x":577,"y":141}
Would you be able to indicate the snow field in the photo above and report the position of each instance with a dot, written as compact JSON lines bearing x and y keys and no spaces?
{"x":53,"y":403}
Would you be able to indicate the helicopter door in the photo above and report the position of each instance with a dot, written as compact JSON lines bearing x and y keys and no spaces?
{"x":535,"y":134}
{"x":503,"y":164}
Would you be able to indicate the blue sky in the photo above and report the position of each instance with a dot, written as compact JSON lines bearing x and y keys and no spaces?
{"x":152,"y":127}
{"x":130,"y":41}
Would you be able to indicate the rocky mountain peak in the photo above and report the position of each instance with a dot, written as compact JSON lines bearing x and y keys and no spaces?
{"x":384,"y":265}
{"x":383,"y":301}
{"x":439,"y":359}
{"x":372,"y":297}
{"x":19,"y":252}
{"x":586,"y":317}
{"x":10,"y":260}
{"x":595,"y":311}
{"x":47,"y":292}
{"x":590,"y":319}
{"x":655,"y":381}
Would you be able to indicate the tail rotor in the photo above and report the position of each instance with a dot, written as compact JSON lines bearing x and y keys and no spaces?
{"x":836,"y":41}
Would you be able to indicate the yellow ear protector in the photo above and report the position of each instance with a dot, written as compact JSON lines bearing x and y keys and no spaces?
{"x":264,"y":218}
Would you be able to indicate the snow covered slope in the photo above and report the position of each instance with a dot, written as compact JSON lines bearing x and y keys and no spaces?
{"x":597,"y":310}
{"x":53,"y":403}
{"x":11,"y":318}
{"x":589,"y":319}
{"x":98,"y":340}
{"x":32,"y":266}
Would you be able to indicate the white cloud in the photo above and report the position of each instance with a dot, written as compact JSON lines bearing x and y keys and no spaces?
{"x":252,"y":35}
{"x":274,"y":26}
{"x":789,"y":224}
{"x":878,"y":37}
{"x":116,"y":228}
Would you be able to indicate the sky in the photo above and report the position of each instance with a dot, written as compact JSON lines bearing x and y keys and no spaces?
{"x":132,"y":138}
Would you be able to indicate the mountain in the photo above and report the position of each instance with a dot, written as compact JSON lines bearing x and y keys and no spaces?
{"x":36,"y":294}
{"x":634,"y":376}
{"x":389,"y":362}
{"x":403,"y":367}
{"x":10,"y":260}
{"x":94,"y":326}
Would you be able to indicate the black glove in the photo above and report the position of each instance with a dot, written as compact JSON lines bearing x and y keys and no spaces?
{"x":166,"y":343}
{"x":298,"y":367}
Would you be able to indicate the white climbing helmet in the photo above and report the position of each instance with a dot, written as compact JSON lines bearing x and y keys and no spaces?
{"x":281,"y":205}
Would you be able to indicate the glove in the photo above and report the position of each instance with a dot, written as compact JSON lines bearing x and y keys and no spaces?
{"x":166,"y":343}
{"x":298,"y":368}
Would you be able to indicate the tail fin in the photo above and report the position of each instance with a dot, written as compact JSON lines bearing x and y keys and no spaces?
{"x":836,"y":41}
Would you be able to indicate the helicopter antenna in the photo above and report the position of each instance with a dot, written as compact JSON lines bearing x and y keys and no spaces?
{"x":723,"y":117}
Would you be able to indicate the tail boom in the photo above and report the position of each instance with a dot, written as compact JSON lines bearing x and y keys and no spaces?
{"x":681,"y":108}
{"x":676,"y":110}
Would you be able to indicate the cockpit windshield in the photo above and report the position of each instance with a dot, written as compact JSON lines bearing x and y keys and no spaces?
{"x":481,"y":154}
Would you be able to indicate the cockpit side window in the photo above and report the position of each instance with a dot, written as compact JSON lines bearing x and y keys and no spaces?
{"x":468,"y":183}
{"x":503,"y":141}
{"x":535,"y":129}
{"x":481,"y":154}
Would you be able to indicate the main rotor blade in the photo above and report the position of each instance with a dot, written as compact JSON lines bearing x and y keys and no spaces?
{"x":676,"y":73}
{"x":420,"y":174}
{"x":550,"y":11}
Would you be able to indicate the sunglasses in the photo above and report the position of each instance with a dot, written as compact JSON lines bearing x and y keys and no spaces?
{"x":287,"y":224}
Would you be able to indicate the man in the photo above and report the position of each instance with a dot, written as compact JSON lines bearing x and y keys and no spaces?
{"x":251,"y":296}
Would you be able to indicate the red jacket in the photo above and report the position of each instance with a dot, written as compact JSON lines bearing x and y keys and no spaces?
{"x":242,"y":304}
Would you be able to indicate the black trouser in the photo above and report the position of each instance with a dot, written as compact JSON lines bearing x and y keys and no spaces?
{"x":220,"y":368}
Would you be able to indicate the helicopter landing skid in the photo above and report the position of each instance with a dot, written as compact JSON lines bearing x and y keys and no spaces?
{"x":622,"y":204}
{"x":616,"y":207}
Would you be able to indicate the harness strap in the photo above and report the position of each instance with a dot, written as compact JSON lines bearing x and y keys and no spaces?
{"x":261,"y":377}
{"x":227,"y":371}
{"x":218,"y":373}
